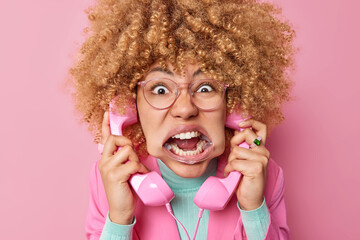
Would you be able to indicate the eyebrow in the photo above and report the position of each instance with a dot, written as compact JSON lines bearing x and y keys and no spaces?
{"x":198,"y":72}
{"x":167,"y":71}
{"x":163,"y":70}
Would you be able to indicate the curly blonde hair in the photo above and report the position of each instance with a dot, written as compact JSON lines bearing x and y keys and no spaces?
{"x":243,"y":43}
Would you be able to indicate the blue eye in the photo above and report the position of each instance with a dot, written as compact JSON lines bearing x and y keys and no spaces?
{"x":160,"y":90}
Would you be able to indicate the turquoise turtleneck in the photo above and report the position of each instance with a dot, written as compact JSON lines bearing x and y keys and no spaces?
{"x":183,"y":205}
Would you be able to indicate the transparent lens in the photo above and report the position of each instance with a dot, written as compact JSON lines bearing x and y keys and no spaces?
{"x":160,"y":93}
{"x":207,"y":93}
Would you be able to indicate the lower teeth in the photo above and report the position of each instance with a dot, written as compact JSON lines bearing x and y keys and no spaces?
{"x":200,"y":147}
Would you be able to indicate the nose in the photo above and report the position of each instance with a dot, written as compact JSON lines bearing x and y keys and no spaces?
{"x":183,"y":107}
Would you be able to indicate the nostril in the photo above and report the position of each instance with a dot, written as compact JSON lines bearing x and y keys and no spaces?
{"x":184,"y":107}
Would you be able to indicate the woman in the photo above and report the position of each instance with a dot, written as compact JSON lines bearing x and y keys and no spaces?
{"x":140,"y":51}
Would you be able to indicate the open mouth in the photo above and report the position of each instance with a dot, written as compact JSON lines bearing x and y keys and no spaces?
{"x":188,"y":147}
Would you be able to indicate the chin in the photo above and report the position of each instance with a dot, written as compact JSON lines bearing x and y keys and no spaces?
{"x":187,"y":170}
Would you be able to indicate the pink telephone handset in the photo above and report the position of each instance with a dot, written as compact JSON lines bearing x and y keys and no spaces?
{"x":150,"y":187}
{"x":215,"y":193}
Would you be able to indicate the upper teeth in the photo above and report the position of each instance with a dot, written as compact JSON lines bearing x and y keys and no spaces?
{"x":186,"y":135}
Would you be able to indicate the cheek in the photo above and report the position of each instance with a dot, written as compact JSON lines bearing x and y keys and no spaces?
{"x":143,"y":113}
{"x":220,"y":129}
{"x":215,"y":124}
{"x":148,"y":119}
{"x":153,"y":145}
{"x":219,"y":139}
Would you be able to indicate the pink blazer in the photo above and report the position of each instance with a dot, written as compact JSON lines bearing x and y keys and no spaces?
{"x":225,"y":224}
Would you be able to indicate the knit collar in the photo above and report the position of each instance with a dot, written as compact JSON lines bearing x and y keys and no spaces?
{"x":176,"y":182}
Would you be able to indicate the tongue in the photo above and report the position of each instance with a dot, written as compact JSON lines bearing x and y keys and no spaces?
{"x":187,"y":144}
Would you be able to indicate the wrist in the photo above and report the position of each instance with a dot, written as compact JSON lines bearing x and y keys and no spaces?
{"x":121,"y":219}
{"x":248,"y":206}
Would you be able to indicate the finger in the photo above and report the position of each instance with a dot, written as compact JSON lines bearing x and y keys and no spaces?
{"x":250,"y":169}
{"x":124,"y":172}
{"x":113,"y":142}
{"x":134,"y":167}
{"x":239,"y":153}
{"x":105,"y":128}
{"x":247,"y":135}
{"x":126,"y":153}
{"x":258,"y":127}
{"x":239,"y":138}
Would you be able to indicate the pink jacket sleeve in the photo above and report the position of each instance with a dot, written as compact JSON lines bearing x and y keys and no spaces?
{"x":96,"y":215}
{"x":278,"y":228}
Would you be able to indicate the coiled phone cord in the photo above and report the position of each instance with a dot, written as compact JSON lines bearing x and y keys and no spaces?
{"x":169,"y":209}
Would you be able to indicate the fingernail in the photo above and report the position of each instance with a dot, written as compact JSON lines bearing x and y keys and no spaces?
{"x":241,"y":123}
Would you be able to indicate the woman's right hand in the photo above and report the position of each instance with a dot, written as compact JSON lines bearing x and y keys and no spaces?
{"x":115,"y":169}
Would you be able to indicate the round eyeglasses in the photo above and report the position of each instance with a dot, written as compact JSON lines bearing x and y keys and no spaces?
{"x":161,"y":93}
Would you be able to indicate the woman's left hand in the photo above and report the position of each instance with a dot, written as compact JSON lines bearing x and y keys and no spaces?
{"x":251,"y":163}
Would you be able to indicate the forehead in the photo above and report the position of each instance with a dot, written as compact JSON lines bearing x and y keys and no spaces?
{"x":189,"y":71}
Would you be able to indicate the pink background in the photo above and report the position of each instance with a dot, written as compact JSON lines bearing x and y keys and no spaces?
{"x":46,"y":154}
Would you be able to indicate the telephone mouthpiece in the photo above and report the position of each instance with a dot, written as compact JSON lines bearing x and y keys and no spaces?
{"x":215,"y":192}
